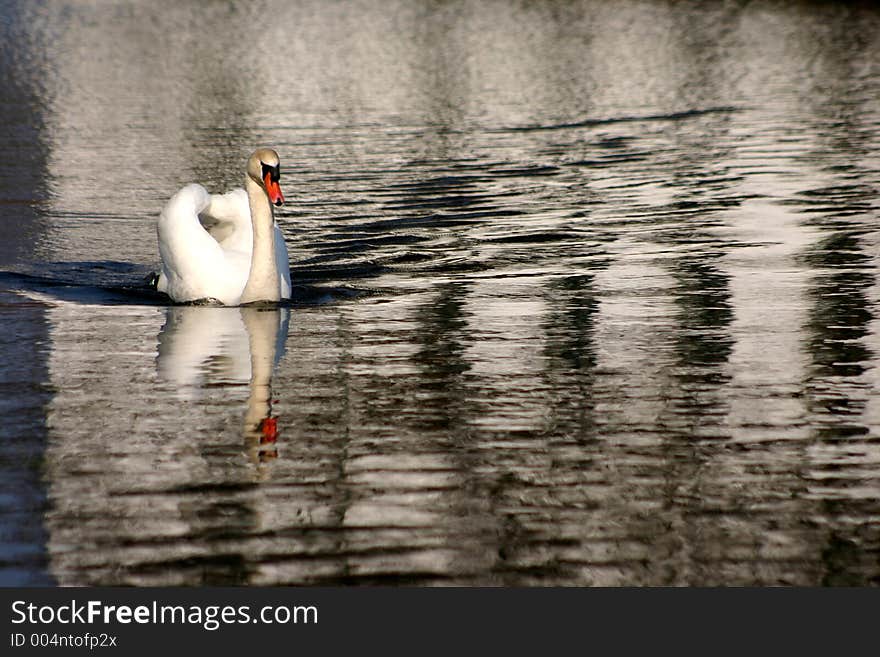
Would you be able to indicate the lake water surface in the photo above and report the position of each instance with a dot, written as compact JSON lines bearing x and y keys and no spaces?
{"x":586,"y":293}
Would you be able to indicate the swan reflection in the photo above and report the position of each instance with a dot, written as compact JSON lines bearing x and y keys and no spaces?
{"x":202,"y":348}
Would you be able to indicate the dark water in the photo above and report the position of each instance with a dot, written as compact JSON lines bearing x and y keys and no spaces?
{"x":586,"y":293}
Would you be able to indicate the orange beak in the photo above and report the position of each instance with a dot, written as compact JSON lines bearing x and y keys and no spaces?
{"x":273,"y":189}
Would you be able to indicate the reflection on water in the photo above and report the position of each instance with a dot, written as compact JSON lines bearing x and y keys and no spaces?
{"x":207,"y":360}
{"x":202,"y":347}
{"x":585,"y":293}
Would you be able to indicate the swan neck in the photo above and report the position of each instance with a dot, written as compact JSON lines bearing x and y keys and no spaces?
{"x":263,"y":282}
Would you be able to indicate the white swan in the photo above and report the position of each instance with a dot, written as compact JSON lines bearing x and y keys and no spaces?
{"x":226,"y":247}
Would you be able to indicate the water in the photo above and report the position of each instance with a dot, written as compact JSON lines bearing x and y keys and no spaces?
{"x":586,"y":293}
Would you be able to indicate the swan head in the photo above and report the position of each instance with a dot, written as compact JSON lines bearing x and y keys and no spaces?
{"x":265,"y":168}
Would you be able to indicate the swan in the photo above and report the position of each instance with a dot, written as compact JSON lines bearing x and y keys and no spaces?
{"x":226,"y":247}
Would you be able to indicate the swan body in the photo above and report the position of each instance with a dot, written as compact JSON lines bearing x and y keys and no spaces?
{"x":226,"y":247}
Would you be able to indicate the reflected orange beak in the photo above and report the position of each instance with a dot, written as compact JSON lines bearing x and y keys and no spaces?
{"x":268,"y":429}
{"x":273,"y":189}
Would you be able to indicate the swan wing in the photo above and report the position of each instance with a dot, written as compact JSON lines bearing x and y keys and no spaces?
{"x":227,"y":218}
{"x":194,"y":265}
